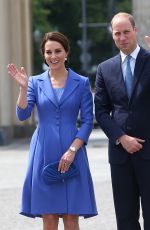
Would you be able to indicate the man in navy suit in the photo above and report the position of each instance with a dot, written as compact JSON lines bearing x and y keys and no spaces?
{"x":125,"y":118}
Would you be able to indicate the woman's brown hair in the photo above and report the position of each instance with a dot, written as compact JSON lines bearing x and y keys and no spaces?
{"x":58,"y":37}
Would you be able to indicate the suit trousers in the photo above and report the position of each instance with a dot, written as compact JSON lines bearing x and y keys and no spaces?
{"x":131,"y":187}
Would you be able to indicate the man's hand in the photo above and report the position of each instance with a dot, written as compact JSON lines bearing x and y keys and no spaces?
{"x":147,"y":39}
{"x":131,"y":144}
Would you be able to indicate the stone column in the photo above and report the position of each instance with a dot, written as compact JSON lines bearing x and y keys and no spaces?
{"x":15,"y":47}
{"x":141,"y":12}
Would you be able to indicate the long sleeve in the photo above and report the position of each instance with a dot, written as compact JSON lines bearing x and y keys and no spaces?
{"x":86,"y":113}
{"x":103,"y":109}
{"x":23,"y":114}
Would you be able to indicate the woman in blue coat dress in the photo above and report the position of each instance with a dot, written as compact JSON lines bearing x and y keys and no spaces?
{"x":60,"y":95}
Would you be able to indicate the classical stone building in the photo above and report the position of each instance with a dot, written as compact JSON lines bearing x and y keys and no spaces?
{"x":141,"y":12}
{"x":15,"y":47}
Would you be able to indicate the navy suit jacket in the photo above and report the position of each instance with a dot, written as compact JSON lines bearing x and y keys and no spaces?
{"x":115,"y":113}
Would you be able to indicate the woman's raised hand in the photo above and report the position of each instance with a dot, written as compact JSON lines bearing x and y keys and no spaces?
{"x":19,"y":75}
{"x":147,"y":39}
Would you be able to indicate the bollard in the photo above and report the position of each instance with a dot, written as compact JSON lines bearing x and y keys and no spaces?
{"x":2,"y":137}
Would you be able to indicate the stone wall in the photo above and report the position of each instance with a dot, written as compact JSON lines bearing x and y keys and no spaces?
{"x":15,"y":46}
{"x":141,"y":12}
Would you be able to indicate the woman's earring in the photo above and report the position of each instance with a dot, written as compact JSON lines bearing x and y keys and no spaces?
{"x":66,"y":61}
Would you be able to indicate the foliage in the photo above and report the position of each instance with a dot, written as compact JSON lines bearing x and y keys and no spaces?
{"x":41,"y":25}
{"x":65,"y":16}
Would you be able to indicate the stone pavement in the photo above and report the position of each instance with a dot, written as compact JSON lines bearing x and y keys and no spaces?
{"x":13,"y":161}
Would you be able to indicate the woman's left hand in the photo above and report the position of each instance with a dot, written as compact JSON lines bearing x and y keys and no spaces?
{"x":65,"y":161}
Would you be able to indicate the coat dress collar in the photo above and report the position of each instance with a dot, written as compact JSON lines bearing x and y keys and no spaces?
{"x":71,"y":84}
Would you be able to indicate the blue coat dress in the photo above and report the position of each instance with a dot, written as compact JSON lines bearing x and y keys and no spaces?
{"x":54,"y":134}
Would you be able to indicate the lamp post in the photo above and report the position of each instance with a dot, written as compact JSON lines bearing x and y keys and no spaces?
{"x":37,"y":37}
{"x":84,"y":37}
{"x":37,"y":53}
{"x":84,"y":43}
{"x":37,"y":40}
{"x":112,"y":13}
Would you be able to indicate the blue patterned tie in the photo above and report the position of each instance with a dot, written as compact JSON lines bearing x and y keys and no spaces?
{"x":128,"y":76}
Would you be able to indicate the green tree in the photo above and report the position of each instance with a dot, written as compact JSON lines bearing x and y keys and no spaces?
{"x":55,"y":15}
{"x":101,"y":12}
{"x":102,"y":45}
{"x":40,"y":25}
{"x":65,"y":16}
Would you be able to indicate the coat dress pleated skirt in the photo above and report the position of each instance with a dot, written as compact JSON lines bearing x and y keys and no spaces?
{"x":56,"y":130}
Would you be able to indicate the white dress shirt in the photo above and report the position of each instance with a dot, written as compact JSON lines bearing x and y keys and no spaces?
{"x":132,"y":60}
{"x":132,"y":65}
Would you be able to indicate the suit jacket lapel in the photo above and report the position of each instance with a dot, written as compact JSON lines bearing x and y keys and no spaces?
{"x":140,"y":61}
{"x":139,"y":65}
{"x":71,"y":84}
{"x":47,"y":88}
{"x":117,"y":71}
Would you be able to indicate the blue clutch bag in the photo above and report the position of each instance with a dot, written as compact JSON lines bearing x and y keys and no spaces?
{"x":51,"y":175}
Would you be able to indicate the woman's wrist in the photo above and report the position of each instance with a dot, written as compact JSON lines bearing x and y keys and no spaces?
{"x":22,"y":99}
{"x":73,"y":149}
{"x":23,"y":91}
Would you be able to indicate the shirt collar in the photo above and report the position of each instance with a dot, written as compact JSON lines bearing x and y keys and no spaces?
{"x":133,"y":54}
